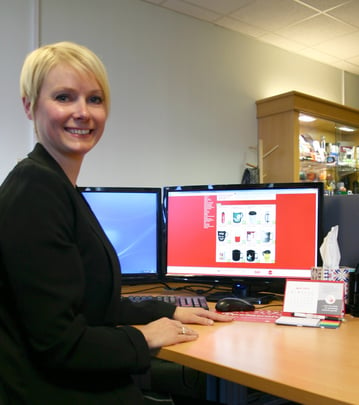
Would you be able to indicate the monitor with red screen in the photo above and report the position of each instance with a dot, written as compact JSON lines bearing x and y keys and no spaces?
{"x":258,"y":231}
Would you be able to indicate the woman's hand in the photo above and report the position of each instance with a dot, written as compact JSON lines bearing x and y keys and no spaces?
{"x":166,"y":332}
{"x":199,"y":316}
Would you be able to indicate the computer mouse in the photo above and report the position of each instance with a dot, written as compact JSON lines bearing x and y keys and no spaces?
{"x":232,"y":304}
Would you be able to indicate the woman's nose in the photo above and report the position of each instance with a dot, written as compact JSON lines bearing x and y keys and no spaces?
{"x":81,"y":112}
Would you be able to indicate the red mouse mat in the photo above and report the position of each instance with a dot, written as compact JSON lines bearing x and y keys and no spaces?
{"x":258,"y":315}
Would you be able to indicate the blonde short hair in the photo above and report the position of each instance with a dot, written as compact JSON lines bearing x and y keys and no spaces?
{"x":40,"y":61}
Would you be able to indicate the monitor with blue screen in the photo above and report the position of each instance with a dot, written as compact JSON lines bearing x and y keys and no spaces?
{"x":131,"y":219}
{"x":259,"y":234}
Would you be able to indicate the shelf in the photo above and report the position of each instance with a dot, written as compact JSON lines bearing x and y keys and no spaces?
{"x":281,"y":132}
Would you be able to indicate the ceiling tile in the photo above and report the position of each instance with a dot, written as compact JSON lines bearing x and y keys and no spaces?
{"x":323,"y":30}
{"x":191,"y":10}
{"x":354,"y":60}
{"x":279,"y":14}
{"x":221,"y":6}
{"x":344,"y":47}
{"x":348,"y":13}
{"x":324,"y":5}
{"x":239,"y":26}
{"x":154,"y":1}
{"x":281,"y":42}
{"x":319,"y":56}
{"x":309,"y":33}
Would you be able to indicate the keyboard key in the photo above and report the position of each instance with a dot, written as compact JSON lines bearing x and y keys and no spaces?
{"x":179,"y":300}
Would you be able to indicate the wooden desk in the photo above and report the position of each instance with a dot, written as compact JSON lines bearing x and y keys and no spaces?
{"x":306,"y":365}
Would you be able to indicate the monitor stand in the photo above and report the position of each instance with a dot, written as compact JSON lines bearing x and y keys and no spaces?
{"x":240,"y":290}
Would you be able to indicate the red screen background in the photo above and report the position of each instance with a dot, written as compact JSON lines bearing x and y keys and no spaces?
{"x":191,"y":243}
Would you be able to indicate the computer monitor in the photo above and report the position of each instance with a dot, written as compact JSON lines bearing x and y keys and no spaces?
{"x":251,"y":235}
{"x":131,"y":219}
{"x":342,"y":210}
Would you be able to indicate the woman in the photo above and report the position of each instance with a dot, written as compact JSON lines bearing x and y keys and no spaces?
{"x":66,"y":335}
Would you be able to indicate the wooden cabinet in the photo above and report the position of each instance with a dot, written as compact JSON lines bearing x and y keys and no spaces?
{"x":291,"y":150}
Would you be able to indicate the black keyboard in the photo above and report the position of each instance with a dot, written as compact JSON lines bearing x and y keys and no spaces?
{"x":198,"y":301}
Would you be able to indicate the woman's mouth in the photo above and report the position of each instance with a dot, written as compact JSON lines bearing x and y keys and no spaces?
{"x":78,"y":131}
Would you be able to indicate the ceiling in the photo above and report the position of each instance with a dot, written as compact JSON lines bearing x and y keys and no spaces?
{"x":324,"y":30}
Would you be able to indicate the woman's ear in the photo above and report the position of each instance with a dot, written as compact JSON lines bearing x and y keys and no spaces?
{"x":27,"y":107}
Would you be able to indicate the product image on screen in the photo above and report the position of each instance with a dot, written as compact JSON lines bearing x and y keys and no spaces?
{"x":130,"y":217}
{"x":245,"y":233}
{"x":261,"y":230}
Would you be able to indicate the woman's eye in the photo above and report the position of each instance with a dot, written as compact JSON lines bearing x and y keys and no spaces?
{"x":96,"y":100}
{"x":62,"y":97}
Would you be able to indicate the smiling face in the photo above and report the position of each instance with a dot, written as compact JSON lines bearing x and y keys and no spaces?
{"x":70,"y":113}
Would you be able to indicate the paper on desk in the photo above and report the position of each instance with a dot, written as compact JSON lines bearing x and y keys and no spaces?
{"x":329,"y":250}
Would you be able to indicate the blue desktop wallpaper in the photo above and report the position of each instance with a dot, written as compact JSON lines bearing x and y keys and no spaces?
{"x":129,"y":220}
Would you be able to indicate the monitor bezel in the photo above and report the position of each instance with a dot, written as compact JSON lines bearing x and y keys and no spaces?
{"x":255,"y":284}
{"x":139,"y":278}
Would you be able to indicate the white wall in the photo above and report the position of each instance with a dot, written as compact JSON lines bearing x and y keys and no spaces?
{"x":16,"y":27}
{"x":184,"y":91}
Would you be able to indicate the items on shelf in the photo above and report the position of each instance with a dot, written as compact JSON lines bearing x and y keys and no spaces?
{"x":330,"y":163}
{"x":314,"y":140}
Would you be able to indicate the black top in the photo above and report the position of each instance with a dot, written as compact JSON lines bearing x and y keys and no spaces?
{"x":60,"y":297}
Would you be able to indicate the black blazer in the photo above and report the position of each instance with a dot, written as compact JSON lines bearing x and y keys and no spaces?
{"x":60,"y":297}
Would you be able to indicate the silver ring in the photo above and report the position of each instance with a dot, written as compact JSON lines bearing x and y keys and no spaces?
{"x":183,"y":332}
